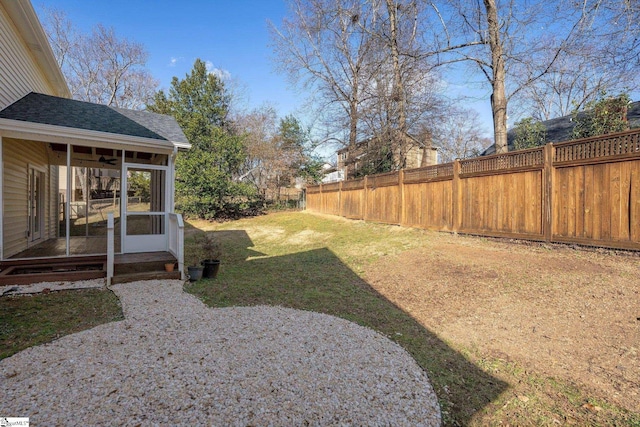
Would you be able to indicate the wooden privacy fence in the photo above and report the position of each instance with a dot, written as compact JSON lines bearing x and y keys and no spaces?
{"x":585,"y":191}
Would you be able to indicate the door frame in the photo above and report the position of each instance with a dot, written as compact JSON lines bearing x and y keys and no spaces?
{"x":146,"y":242}
{"x":35,"y":222}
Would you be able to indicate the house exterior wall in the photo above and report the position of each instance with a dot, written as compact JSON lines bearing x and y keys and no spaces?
{"x":18,"y":156}
{"x":429,"y":157}
{"x":52,"y":208}
{"x":19,"y":71}
{"x":414,"y":157}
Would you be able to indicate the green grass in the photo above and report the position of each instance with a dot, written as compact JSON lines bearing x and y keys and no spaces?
{"x":28,"y":320}
{"x":310,"y":263}
{"x":315,"y":263}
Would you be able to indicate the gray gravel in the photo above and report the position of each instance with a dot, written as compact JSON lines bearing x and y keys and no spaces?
{"x":175,"y":361}
{"x":36,"y":288}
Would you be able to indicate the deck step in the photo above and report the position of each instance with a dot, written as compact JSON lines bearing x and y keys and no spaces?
{"x":142,"y":263}
{"x":25,"y":272}
{"x":67,"y":276}
{"x":148,"y":275}
{"x":127,"y":268}
{"x":87,"y":259}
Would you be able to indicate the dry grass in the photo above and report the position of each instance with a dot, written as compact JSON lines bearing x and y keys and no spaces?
{"x":464,"y":307}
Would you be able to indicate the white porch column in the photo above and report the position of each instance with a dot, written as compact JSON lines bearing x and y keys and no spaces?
{"x":67,"y":220}
{"x":171,"y":184}
{"x":110,"y":248}
{"x":124,"y":202}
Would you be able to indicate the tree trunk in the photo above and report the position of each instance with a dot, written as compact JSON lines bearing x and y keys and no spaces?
{"x":400,"y":133}
{"x":498,"y":97}
{"x":353,"y":125}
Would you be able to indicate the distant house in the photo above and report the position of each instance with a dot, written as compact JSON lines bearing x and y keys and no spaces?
{"x":331,"y":173}
{"x":561,"y":128}
{"x":350,"y":160}
{"x":66,"y":165}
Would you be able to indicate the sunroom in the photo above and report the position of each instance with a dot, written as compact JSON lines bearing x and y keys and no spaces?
{"x":80,"y":179}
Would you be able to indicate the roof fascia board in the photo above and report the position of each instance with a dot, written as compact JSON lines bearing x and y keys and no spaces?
{"x":64,"y":135}
{"x":26,"y":21}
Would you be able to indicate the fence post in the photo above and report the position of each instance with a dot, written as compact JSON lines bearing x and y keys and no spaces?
{"x":320,"y":203}
{"x":456,"y":198}
{"x":401,"y":212}
{"x":365,"y":203}
{"x":340,"y":210}
{"x":547,"y":193}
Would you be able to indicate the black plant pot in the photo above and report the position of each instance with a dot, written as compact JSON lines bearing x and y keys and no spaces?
{"x":211,"y":267}
{"x":195,"y":273}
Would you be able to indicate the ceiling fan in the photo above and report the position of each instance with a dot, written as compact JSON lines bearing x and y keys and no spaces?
{"x":111,"y":162}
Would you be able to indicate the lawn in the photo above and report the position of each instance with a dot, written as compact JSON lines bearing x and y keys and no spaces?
{"x":510,"y":333}
{"x":27,"y":320}
{"x":360,"y":271}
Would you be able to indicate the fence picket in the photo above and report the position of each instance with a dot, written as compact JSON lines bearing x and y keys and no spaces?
{"x":584,"y":191}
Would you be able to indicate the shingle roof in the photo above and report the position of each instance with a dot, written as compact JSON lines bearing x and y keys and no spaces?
{"x":561,"y":128}
{"x":52,"y":110}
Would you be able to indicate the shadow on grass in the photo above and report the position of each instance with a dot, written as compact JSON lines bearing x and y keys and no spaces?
{"x":317,"y":280}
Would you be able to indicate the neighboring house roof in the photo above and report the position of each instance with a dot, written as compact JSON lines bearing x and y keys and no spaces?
{"x":28,"y":25}
{"x":560,"y":129}
{"x":69,"y":113}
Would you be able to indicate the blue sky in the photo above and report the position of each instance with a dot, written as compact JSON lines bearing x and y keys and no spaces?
{"x":231,"y":35}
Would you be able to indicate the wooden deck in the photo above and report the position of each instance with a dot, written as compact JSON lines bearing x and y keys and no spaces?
{"x":127,"y":268}
{"x":93,"y":245}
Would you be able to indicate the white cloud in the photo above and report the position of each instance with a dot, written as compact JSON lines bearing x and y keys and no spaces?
{"x":222,"y":74}
{"x":174,"y":61}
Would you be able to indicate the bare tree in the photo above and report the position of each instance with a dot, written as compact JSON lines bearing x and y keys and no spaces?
{"x":403,"y":93}
{"x":322,"y":48}
{"x":458,"y":134}
{"x":374,"y":59}
{"x":362,"y":61}
{"x":259,"y":129}
{"x":100,"y":67}
{"x":275,"y":150}
{"x":575,"y":81}
{"x":516,"y":44}
{"x":496,"y":37}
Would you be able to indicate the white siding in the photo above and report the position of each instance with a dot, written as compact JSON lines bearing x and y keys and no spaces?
{"x":19,"y":72}
{"x":51,"y":220}
{"x":17,"y":155}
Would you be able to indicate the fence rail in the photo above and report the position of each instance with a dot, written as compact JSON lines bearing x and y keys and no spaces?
{"x":517,"y":160}
{"x":614,"y":145}
{"x":585,"y":191}
{"x":429,"y":173}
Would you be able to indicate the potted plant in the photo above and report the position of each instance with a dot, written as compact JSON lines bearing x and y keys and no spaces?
{"x":212,"y":251}
{"x":194,"y":253}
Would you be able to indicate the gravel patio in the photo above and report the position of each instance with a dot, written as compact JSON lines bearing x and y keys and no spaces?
{"x":174,"y":360}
